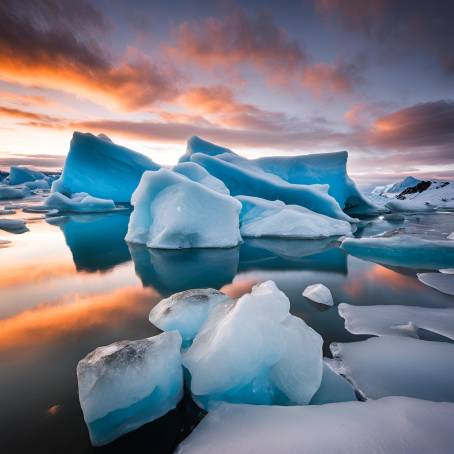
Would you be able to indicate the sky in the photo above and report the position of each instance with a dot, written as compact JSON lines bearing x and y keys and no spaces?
{"x":374,"y":77}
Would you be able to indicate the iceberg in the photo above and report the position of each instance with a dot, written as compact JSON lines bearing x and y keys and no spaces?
{"x":265,"y":218}
{"x":101,"y":168}
{"x":78,"y":203}
{"x":385,"y":320}
{"x":19,"y":175}
{"x":124,"y":385}
{"x":38,"y":184}
{"x":174,"y":212}
{"x":443,"y":282}
{"x":319,"y":293}
{"x":13,"y":225}
{"x":403,"y":251}
{"x":254,"y":351}
{"x":391,"y":425}
{"x":9,"y":193}
{"x":187,"y":311}
{"x":397,"y":366}
{"x":198,"y":174}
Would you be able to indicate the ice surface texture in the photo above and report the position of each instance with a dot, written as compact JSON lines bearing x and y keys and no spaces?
{"x":255,"y":352}
{"x":197,"y":173}
{"x":265,"y":218}
{"x":19,"y":175}
{"x":174,"y":212}
{"x":443,"y":282}
{"x":102,"y":168}
{"x":319,"y":293}
{"x":79,"y":203}
{"x":129,"y":383}
{"x":393,"y":425}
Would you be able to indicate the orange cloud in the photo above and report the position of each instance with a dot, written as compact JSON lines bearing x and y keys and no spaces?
{"x":9,"y":112}
{"x":332,"y":77}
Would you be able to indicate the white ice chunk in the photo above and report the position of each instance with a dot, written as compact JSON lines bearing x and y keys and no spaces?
{"x":78,"y":203}
{"x":447,"y":270}
{"x":265,"y":218}
{"x":450,"y":236}
{"x":382,"y":320}
{"x":197,"y":173}
{"x":174,"y":212}
{"x":187,"y":311}
{"x":443,"y":282}
{"x":255,"y":352}
{"x":319,"y":293}
{"x":393,"y":425}
{"x":397,"y":366}
{"x":129,"y":383}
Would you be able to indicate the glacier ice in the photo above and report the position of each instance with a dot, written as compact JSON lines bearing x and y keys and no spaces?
{"x":187,"y":311}
{"x":319,"y":293}
{"x":390,"y":425}
{"x":265,"y":218}
{"x":403,"y":251}
{"x":198,"y":174}
{"x":443,"y":282}
{"x":78,"y":203}
{"x":129,"y":383}
{"x":174,"y":212}
{"x":101,"y":168}
{"x":397,"y":366}
{"x":19,"y":175}
{"x":387,"y":319}
{"x":9,"y":193}
{"x":255,"y":352}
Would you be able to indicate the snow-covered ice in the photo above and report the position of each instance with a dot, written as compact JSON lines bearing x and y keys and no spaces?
{"x":319,"y":293}
{"x":173,"y":212}
{"x":403,"y":251}
{"x":129,"y":383}
{"x":265,"y":218}
{"x":197,"y":173}
{"x":443,"y":282}
{"x":102,"y":168}
{"x":393,"y":425}
{"x":255,"y":352}
{"x":397,"y":366}
{"x":411,"y":206}
{"x":386,"y":319}
{"x":78,"y":203}
{"x":187,"y":311}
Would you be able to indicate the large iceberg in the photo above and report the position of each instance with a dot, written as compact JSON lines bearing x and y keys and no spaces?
{"x":187,"y":311}
{"x":255,"y":352}
{"x":265,"y":218}
{"x":315,"y":169}
{"x":19,"y":175}
{"x":393,"y":425}
{"x":397,"y":366}
{"x":78,"y":203}
{"x":129,"y":383}
{"x":102,"y":168}
{"x":174,"y":212}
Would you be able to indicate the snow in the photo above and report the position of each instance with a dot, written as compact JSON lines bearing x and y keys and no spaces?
{"x":385,"y":319}
{"x":129,"y":383}
{"x":78,"y":203}
{"x":19,"y":175}
{"x":187,"y":311}
{"x":319,"y":293}
{"x":265,"y":218}
{"x":13,"y":225}
{"x":393,"y":189}
{"x":255,"y":352}
{"x":387,"y":426}
{"x":102,"y":168}
{"x":443,"y":282}
{"x":403,"y":251}
{"x":8,"y":193}
{"x":197,"y":173}
{"x":397,"y":366}
{"x":174,"y":212}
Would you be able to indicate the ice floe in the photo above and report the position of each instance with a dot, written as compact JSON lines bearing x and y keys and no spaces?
{"x":319,"y":293}
{"x":13,"y":225}
{"x":9,"y":193}
{"x":78,"y":203}
{"x":443,"y":282}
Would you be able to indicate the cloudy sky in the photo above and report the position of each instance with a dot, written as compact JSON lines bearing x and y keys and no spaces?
{"x":375,"y":77}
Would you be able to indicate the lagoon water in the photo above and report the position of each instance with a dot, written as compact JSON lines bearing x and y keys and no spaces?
{"x":71,"y":284}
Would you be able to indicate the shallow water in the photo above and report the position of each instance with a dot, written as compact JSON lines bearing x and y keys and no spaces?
{"x":71,"y":284}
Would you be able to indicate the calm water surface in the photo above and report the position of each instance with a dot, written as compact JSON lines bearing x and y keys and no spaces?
{"x":72,"y":284}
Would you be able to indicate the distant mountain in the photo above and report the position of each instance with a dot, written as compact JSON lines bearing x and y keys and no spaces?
{"x":395,"y":188}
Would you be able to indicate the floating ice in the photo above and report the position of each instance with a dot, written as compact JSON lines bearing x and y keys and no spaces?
{"x":397,"y":366}
{"x":38,"y":184}
{"x":19,"y":175}
{"x":129,"y":383}
{"x":187,"y":311}
{"x":411,"y":206}
{"x":174,"y":212}
{"x":255,"y":352}
{"x":198,"y":174}
{"x":403,"y":251}
{"x":265,"y":218}
{"x":447,"y":270}
{"x":384,"y":319}
{"x":13,"y":225}
{"x":78,"y":203}
{"x":443,"y":282}
{"x":391,"y":425}
{"x":319,"y":293}
{"x":450,"y":236}
{"x":8,"y":193}
{"x":102,"y":168}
